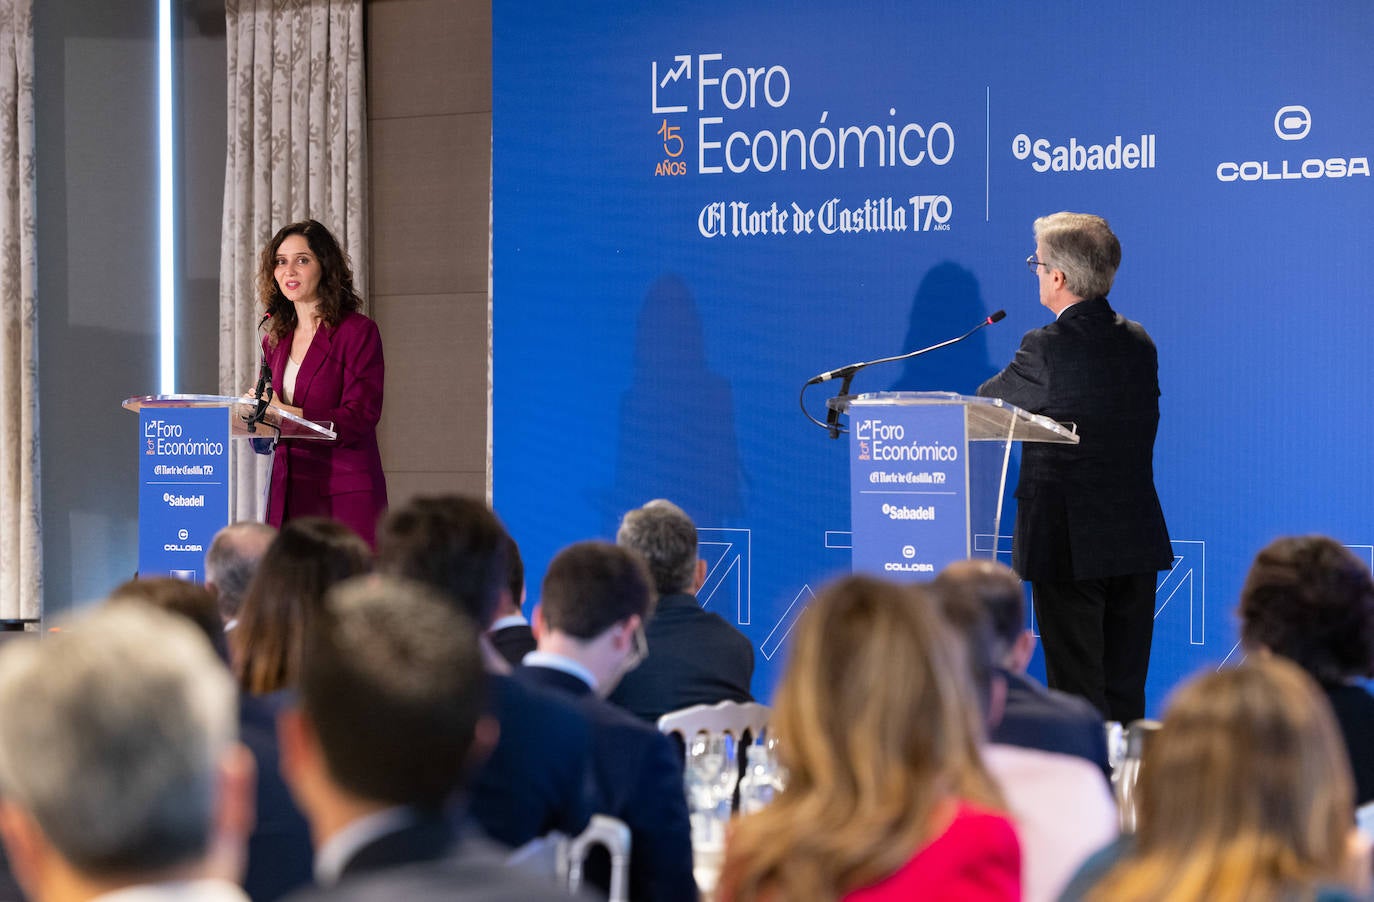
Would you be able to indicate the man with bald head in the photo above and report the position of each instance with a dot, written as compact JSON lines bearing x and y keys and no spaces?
{"x":231,"y":563}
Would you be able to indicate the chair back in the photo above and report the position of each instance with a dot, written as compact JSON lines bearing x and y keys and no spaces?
{"x":725,"y":717}
{"x":602,"y":830}
{"x":1125,"y":777}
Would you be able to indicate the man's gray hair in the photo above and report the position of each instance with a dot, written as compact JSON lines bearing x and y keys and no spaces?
{"x":1083,"y":247}
{"x":667,"y":538}
{"x":111,"y":737}
{"x":232,"y":561}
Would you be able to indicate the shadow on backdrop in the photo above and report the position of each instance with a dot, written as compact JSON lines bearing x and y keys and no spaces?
{"x":677,"y":422}
{"x":948,"y":302}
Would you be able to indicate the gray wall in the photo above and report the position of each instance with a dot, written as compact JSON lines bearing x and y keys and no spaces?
{"x":429,"y":162}
{"x":99,"y":264}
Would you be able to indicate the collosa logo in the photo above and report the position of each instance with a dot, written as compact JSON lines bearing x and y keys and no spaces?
{"x":1294,"y":123}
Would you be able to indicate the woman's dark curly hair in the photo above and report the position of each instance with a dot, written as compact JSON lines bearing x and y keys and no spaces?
{"x":337,"y":295}
{"x":1311,"y":600}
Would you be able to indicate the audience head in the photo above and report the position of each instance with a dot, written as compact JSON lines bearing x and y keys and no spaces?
{"x":594,"y":602}
{"x":1245,"y":793}
{"x":667,"y":539}
{"x":876,"y":727}
{"x":1083,"y":247}
{"x":514,"y":599}
{"x":453,"y":544}
{"x":118,"y":760}
{"x":971,"y":623}
{"x":1311,"y":600}
{"x":336,"y":293}
{"x":232,"y":560}
{"x":179,"y":597}
{"x":392,"y":693}
{"x":308,"y":556}
{"x":998,"y":591}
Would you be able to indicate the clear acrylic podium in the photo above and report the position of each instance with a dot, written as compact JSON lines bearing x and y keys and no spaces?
{"x":928,"y":473}
{"x":184,"y":472}
{"x":239,"y":408}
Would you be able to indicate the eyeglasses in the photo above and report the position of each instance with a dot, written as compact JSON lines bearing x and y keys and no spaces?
{"x":1034,"y":264}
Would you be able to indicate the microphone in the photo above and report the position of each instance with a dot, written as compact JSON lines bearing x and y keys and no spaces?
{"x":262,"y":392}
{"x":855,"y":367}
{"x":832,"y":421}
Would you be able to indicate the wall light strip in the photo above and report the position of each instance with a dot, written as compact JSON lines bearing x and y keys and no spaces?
{"x":166,"y":256}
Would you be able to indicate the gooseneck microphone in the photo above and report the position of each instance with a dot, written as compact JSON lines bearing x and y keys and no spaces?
{"x":262,"y":392}
{"x":846,"y":373}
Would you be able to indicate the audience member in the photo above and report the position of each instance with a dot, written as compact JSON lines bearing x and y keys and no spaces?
{"x":118,"y":766}
{"x":279,"y":852}
{"x":1311,"y":600}
{"x":307,"y":557}
{"x":390,"y":720}
{"x":537,"y":778}
{"x":695,"y":657}
{"x":1033,"y":716}
{"x":1063,"y":809}
{"x":185,"y":599}
{"x":1244,"y":794}
{"x":590,"y":627}
{"x":510,"y":632}
{"x":886,"y":796}
{"x":231,"y":562}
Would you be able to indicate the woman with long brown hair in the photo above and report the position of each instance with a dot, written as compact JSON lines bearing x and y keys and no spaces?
{"x":1245,"y":793}
{"x":307,"y":557}
{"x":886,"y":796}
{"x":327,"y":366}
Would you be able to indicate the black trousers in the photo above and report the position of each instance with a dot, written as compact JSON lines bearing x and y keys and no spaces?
{"x":1096,"y":634}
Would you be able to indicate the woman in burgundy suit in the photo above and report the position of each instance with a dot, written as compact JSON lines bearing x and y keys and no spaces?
{"x":326,"y":361}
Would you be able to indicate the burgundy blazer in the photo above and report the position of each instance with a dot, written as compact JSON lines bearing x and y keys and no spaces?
{"x":340,"y":382}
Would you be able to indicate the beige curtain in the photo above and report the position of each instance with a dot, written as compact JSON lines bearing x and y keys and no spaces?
{"x":21,"y":552}
{"x":296,"y":151}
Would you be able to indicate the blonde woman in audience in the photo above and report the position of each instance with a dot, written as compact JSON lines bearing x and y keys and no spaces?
{"x":886,"y":797}
{"x":308,"y":556}
{"x":1245,"y":794}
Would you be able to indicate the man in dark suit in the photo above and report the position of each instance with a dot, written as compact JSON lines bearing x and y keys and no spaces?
{"x":537,"y":778}
{"x":695,"y":657}
{"x":391,"y":717}
{"x":1032,"y":716}
{"x":510,"y":632}
{"x":590,"y":627}
{"x":1090,"y":534}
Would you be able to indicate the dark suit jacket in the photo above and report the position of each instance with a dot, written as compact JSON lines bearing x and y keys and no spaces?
{"x":427,"y":861}
{"x":1087,"y":511}
{"x":1354,"y":710}
{"x":280,"y":858}
{"x":640,"y":782}
{"x":340,"y":381}
{"x":513,"y":642}
{"x":695,"y":658}
{"x":1039,"y":718}
{"x":539,"y":777}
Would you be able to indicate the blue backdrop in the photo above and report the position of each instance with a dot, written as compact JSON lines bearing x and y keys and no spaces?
{"x":655,"y":312}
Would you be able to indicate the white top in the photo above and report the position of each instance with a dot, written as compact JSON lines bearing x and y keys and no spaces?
{"x":1063,"y":810}
{"x":206,"y":890}
{"x":288,"y":380}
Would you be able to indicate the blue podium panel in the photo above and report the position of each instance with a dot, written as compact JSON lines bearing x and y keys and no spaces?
{"x":909,"y":504}
{"x":183,"y":495}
